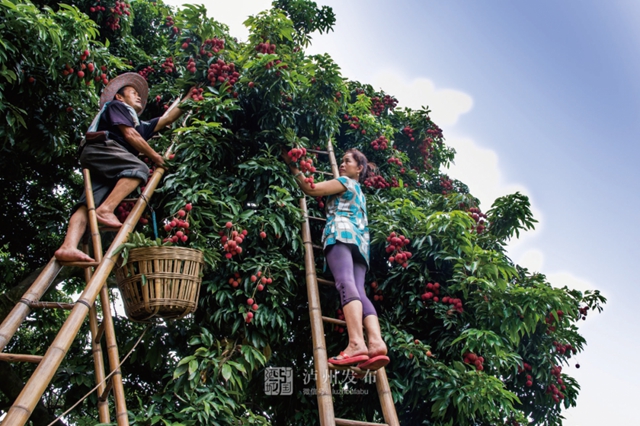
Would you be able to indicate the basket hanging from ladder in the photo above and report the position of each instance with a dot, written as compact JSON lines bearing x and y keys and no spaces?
{"x":160,"y":282}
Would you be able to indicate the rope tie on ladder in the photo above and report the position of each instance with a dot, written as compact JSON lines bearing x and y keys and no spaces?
{"x":104,"y":380}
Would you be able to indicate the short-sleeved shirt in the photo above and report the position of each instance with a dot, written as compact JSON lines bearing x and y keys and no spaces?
{"x":347,"y":218}
{"x":116,"y":114}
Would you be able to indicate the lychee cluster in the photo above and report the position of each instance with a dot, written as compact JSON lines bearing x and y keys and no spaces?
{"x":191,"y":65}
{"x":377,"y":182}
{"x":196,"y":94}
{"x":409,"y":132}
{"x":479,"y":218}
{"x":296,"y":153}
{"x":378,"y":105}
{"x":211,"y":46}
{"x":526,"y":368}
{"x":353,"y":122}
{"x":583,"y":312}
{"x":266,"y":48}
{"x":121,"y":8}
{"x":306,"y":165}
{"x":146,"y":71}
{"x":235,"y":280}
{"x":567,"y":349}
{"x":477,"y":361}
{"x":377,"y":293}
{"x":446,"y":185}
{"x":168,"y":66}
{"x":552,"y":389}
{"x":220,"y":72}
{"x":253,"y":307}
{"x":396,"y":249}
{"x":454,"y":302}
{"x":261,"y":280}
{"x":320,"y":202}
{"x":97,"y":7}
{"x":168,"y":21}
{"x":232,"y":240}
{"x":84,"y":69}
{"x":550,"y":319}
{"x":394,"y":160}
{"x":435,"y":131}
{"x":380,"y":144}
{"x":178,"y":225}
{"x":431,"y":293}
{"x":123,"y":210}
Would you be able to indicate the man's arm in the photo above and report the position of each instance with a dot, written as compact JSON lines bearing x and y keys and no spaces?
{"x":134,"y":139}
{"x":171,"y":114}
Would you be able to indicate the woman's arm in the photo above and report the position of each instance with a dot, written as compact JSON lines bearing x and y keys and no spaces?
{"x":321,"y":189}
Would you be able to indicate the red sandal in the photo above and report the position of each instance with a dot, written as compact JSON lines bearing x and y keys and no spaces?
{"x":348,"y":360}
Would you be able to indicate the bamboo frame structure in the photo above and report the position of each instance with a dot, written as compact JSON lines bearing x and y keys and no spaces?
{"x":24,"y":404}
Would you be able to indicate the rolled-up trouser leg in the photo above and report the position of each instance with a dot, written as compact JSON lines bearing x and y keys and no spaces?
{"x":349,"y":276}
{"x":109,"y":162}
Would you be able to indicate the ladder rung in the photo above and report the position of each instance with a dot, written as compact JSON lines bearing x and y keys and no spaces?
{"x":51,"y":305}
{"x":317,"y":246}
{"x":345,"y":422}
{"x":35,"y":359}
{"x":129,"y":200}
{"x":317,"y":218}
{"x":324,"y":173}
{"x":334,"y":321}
{"x":326,"y":282}
{"x":80,"y":264}
{"x":317,"y":151}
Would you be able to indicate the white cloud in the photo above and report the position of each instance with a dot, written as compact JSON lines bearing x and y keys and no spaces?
{"x":565,"y":278}
{"x":232,"y":14}
{"x":532,"y":259}
{"x":447,"y":105}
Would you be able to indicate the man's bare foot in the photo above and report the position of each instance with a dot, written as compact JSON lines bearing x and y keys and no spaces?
{"x":377,"y":348}
{"x":108,"y":219}
{"x":72,"y":255}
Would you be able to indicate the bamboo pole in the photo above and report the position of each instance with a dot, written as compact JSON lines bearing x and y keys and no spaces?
{"x":19,"y":312}
{"x":386,"y":399}
{"x":323,"y":382}
{"x":122,"y":417}
{"x":23,"y":406}
{"x":332,"y":160}
{"x":98,"y":360}
{"x":35,"y":359}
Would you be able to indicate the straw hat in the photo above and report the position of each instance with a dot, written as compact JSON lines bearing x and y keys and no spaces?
{"x":127,"y":79}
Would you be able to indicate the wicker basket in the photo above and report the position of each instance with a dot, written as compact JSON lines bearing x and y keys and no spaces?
{"x":173,"y":277}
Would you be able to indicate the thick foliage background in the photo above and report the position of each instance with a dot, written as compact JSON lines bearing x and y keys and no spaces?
{"x":209,"y":369}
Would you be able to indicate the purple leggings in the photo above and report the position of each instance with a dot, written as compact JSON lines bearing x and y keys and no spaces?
{"x":348,"y":271}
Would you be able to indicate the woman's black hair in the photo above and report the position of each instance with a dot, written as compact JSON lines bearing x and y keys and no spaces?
{"x":368,"y":168}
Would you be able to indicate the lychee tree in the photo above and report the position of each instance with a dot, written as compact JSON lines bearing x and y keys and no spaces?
{"x":474,"y":339}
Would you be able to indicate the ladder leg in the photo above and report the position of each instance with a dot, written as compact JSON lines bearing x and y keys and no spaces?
{"x":122,"y":417}
{"x":386,"y":399}
{"x":323,"y":382}
{"x":98,"y":360}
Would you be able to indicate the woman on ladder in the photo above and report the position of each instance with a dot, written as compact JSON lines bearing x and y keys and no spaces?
{"x":346,"y":247}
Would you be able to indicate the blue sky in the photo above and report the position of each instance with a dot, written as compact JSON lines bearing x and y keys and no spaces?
{"x":541,"y":97}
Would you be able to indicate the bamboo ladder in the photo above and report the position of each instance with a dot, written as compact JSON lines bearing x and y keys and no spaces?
{"x":23,"y":406}
{"x":323,"y":387}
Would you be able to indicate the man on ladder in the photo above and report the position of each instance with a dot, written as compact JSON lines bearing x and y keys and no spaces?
{"x":110,"y":151}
